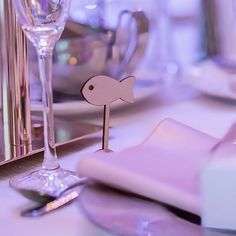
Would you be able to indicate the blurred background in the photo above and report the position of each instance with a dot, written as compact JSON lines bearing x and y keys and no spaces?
{"x":99,"y":38}
{"x":158,"y":41}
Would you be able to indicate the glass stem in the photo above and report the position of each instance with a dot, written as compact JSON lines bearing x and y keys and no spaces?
{"x":45,"y":69}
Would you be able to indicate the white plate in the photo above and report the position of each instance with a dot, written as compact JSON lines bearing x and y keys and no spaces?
{"x":142,"y":89}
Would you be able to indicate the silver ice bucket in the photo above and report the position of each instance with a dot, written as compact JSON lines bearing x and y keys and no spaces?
{"x":83,"y":51}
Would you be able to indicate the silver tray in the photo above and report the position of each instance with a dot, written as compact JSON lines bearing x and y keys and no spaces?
{"x":66,"y":132}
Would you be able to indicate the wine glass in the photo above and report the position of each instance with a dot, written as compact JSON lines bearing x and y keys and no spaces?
{"x":43,"y":22}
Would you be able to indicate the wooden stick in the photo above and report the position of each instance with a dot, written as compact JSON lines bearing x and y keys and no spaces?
{"x":106,"y":126}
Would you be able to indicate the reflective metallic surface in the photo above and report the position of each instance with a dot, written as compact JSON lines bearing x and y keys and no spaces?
{"x":51,"y":206}
{"x":14,"y":84}
{"x":65,"y":133}
{"x":84,"y":52}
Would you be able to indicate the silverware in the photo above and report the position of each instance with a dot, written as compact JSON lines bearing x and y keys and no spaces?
{"x":52,"y":205}
{"x":45,"y":198}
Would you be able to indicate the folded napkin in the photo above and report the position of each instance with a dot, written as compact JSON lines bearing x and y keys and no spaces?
{"x":166,"y":167}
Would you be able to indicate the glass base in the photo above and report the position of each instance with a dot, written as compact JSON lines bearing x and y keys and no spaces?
{"x":51,"y":182}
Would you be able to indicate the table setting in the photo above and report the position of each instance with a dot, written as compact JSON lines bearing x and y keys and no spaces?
{"x":121,"y":150}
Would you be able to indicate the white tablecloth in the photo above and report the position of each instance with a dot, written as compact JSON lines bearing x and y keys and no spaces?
{"x":130,"y":126}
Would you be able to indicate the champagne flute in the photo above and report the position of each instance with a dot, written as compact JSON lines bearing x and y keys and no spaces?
{"x":43,"y":22}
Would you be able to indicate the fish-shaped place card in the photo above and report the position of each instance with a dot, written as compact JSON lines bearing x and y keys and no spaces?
{"x":102,"y":90}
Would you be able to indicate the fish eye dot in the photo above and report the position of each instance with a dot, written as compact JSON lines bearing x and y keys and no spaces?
{"x":91,"y":87}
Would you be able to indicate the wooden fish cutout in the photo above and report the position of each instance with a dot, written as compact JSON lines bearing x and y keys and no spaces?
{"x":102,"y":90}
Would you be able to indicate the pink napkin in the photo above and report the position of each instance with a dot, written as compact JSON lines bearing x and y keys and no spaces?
{"x":166,"y":167}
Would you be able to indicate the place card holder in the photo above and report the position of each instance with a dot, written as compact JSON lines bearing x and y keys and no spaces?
{"x":103,"y":90}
